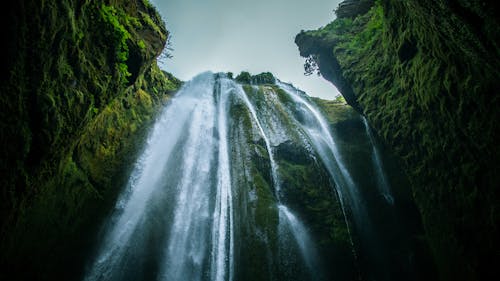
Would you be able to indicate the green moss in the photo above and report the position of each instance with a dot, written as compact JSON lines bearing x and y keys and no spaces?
{"x":422,"y":72}
{"x":336,"y":110}
{"x":263,"y":78}
{"x":141,"y":45}
{"x":310,"y":192}
{"x":265,"y":210}
{"x":71,"y":123}
{"x":244,"y":77}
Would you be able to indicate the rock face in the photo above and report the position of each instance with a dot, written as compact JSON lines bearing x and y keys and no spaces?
{"x":319,"y":50}
{"x":353,"y":8}
{"x":79,"y":84}
{"x":423,"y":73}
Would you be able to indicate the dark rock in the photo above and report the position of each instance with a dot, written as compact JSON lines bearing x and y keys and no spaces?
{"x":407,"y":50}
{"x":66,"y":129}
{"x":423,"y":73}
{"x":328,"y":65}
{"x":293,"y":153}
{"x":353,"y":8}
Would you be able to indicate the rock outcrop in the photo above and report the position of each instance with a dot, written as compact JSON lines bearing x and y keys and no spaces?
{"x":318,"y":50}
{"x":353,"y":8}
{"x":79,"y":85}
{"x":423,"y":73}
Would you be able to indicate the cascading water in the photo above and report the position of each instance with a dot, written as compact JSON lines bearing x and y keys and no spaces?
{"x":287,"y":220}
{"x":211,"y":196}
{"x":383,"y":183}
{"x":222,"y":230}
{"x":274,"y":168}
{"x":376,"y":260}
{"x":303,"y":240}
{"x":317,"y":129}
{"x":150,"y":175}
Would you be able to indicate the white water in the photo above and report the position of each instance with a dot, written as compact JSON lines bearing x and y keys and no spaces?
{"x":186,"y":248}
{"x":223,"y":215}
{"x":302,"y":238}
{"x":274,"y":166}
{"x":182,"y":142}
{"x":200,"y":236}
{"x":375,"y":252}
{"x":287,"y":221}
{"x":182,"y":184}
{"x":318,"y":131}
{"x":383,"y":183}
{"x":131,"y":207}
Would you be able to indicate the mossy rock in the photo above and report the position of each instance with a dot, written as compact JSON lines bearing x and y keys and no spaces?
{"x":77,"y":95}
{"x":422,"y":72}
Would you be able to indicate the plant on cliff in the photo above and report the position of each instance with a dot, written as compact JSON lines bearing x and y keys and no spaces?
{"x":423,"y":73}
{"x":119,"y":34}
{"x":244,"y":77}
{"x":263,"y":78}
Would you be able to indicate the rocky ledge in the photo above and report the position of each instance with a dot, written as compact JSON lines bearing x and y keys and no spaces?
{"x":353,"y":8}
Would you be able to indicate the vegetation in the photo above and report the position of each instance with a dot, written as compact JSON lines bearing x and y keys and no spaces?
{"x":305,"y":187}
{"x":259,"y":79}
{"x":336,"y":110}
{"x":423,"y":73}
{"x":78,"y":90}
{"x":244,"y":77}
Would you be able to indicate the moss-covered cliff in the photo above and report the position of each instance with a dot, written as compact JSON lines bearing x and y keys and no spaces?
{"x":425,"y":74}
{"x":79,"y":85}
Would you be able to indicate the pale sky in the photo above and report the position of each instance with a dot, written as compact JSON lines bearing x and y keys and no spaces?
{"x":245,"y":35}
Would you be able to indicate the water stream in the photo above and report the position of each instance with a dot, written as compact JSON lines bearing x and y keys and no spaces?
{"x":220,"y":193}
{"x":383,"y":183}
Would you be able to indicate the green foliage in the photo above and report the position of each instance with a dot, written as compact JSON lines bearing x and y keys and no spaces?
{"x":263,"y":78}
{"x":156,"y":26}
{"x":337,"y":27}
{"x":340,"y":99}
{"x":336,"y":110}
{"x":70,"y":123}
{"x":422,"y":73}
{"x":244,"y":77}
{"x":141,"y":44}
{"x":119,"y":35}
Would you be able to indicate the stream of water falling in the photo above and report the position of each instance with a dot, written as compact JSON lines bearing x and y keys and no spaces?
{"x":318,"y":131}
{"x":287,"y":220}
{"x":383,"y":183}
{"x":186,"y":164}
{"x":274,"y":166}
{"x":377,"y":260}
{"x":188,"y":213}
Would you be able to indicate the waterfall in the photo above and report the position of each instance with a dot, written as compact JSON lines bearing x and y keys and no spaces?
{"x":185,"y":258}
{"x":223,"y":215}
{"x":274,"y":167}
{"x":287,"y":220}
{"x":237,"y":182}
{"x":383,"y":183}
{"x":317,"y":129}
{"x":193,"y":107}
{"x":303,"y":240}
{"x":182,"y":142}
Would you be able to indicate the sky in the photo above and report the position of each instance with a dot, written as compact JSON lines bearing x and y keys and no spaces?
{"x":244,"y":35}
